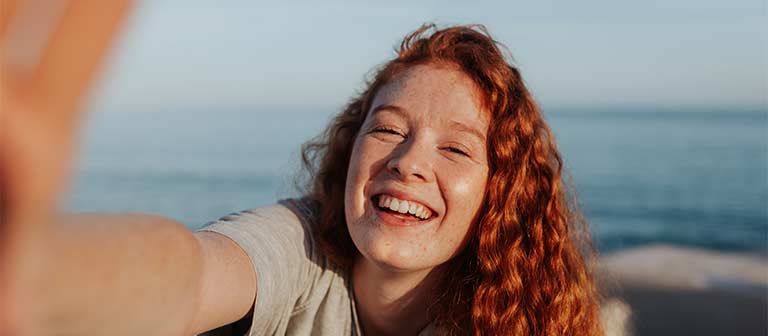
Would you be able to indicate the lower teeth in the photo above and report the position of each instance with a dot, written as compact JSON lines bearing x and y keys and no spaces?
{"x":400,"y":213}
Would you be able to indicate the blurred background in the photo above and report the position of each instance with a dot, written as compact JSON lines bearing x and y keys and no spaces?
{"x":659,"y":107}
{"x":660,"y":110}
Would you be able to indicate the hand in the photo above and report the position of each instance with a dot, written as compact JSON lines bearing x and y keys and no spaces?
{"x":49,"y":54}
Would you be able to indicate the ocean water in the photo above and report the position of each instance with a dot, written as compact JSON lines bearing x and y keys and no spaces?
{"x":694,"y":178}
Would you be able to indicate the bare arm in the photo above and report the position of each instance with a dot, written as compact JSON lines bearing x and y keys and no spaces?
{"x":133,"y":275}
{"x":228,"y":283}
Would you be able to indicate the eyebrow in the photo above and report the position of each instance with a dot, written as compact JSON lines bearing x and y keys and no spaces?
{"x":461,"y":127}
{"x":394,"y":108}
{"x":456,"y":125}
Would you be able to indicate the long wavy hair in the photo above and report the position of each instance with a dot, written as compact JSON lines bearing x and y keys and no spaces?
{"x":526,"y":269}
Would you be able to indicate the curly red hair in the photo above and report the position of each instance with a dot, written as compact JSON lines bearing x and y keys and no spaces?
{"x":526,"y":269}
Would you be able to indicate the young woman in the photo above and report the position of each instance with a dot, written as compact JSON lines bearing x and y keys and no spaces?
{"x":436,"y":207}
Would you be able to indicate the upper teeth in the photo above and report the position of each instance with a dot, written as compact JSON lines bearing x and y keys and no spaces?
{"x":403,"y":206}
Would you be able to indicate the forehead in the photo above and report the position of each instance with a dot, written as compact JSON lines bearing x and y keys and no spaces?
{"x":434,"y":91}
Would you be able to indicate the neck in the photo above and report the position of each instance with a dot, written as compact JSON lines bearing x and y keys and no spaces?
{"x":392,"y":302}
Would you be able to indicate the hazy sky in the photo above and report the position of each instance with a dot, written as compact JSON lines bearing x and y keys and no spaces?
{"x":672,"y":54}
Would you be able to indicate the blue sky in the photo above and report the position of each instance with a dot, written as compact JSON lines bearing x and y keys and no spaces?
{"x":697,"y":54}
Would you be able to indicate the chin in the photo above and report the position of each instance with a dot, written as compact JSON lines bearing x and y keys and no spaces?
{"x":397,"y":257}
{"x":392,"y":248}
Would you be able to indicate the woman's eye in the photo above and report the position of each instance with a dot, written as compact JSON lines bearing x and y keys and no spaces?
{"x":458,"y":150}
{"x":386,"y":130}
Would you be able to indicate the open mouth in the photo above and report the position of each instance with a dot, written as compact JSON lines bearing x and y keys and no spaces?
{"x":403,"y":209}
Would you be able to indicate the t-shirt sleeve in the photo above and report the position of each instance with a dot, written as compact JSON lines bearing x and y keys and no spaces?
{"x":278,"y":243}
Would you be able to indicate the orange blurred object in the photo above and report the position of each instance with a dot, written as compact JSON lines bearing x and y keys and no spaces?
{"x":50,"y":52}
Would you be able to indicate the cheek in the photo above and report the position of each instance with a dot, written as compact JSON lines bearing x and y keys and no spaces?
{"x":465,"y":193}
{"x":466,"y":186}
{"x":362,"y":167}
{"x":464,"y":196}
{"x":368,"y":158}
{"x":353,"y":176}
{"x":463,"y":187}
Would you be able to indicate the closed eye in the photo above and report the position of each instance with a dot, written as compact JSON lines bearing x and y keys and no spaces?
{"x":457,"y":150}
{"x":386,"y":130}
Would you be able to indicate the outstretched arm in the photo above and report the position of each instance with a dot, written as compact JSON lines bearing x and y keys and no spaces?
{"x":88,"y":274}
{"x":130,"y":275}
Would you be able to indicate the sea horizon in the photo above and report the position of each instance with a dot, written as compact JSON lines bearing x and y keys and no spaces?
{"x":682,"y":176}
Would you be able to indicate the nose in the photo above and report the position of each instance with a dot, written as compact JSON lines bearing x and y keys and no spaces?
{"x":411,"y":161}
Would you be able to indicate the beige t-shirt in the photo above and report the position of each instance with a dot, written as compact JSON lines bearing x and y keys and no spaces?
{"x":299,"y":291}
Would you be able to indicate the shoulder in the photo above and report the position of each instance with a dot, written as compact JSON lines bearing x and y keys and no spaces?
{"x":306,"y":209}
{"x":290,"y":218}
{"x":295,"y":282}
{"x":303,"y":210}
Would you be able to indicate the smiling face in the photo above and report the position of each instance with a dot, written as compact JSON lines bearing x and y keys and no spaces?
{"x":418,"y":170}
